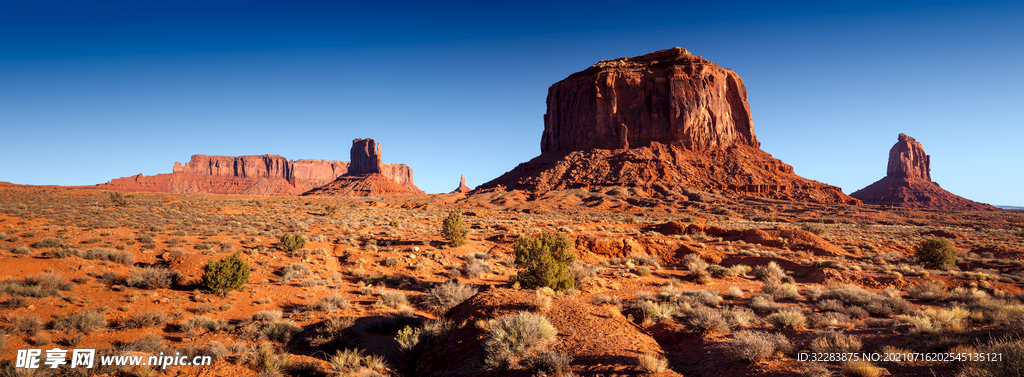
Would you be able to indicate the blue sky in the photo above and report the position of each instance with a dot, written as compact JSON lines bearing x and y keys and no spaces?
{"x":91,"y":91}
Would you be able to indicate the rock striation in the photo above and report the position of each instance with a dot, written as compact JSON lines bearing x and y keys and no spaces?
{"x":368,"y":175}
{"x":669,"y":122}
{"x":259,"y":175}
{"x":908,"y":183}
{"x":462,"y":186}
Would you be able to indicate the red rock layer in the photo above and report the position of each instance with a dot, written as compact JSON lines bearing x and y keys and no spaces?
{"x":662,"y":121}
{"x":250,"y":175}
{"x":908,"y":183}
{"x":663,"y":169}
{"x":669,"y":96}
{"x":462,"y":186}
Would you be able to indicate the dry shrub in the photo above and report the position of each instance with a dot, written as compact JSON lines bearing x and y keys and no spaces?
{"x":203,"y":322}
{"x":514,"y":335}
{"x":652,"y":363}
{"x":709,"y":320}
{"x":1009,"y":363}
{"x":442,"y":298}
{"x":861,"y":368}
{"x":47,"y":281}
{"x":757,"y":346}
{"x":788,"y":319}
{"x":815,"y":369}
{"x":85,"y":322}
{"x":391,"y":299}
{"x":331,"y":302}
{"x":764,"y":303}
{"x":928,"y":290}
{"x":549,"y":362}
{"x":152,"y":278}
{"x":147,"y":319}
{"x":266,"y":359}
{"x":834,"y":342}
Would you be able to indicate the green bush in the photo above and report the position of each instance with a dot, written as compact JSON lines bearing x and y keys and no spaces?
{"x":408,"y":337}
{"x":230,"y":273}
{"x":545,"y":261}
{"x":119,"y":199}
{"x":291,"y":242}
{"x":454,"y":229}
{"x":935,"y":253}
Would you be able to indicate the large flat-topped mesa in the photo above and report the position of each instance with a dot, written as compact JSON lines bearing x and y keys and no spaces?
{"x":669,"y":96}
{"x":908,"y":182}
{"x":667,"y":122}
{"x":267,"y":174}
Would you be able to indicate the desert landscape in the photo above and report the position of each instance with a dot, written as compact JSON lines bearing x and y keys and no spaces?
{"x":651,"y":236}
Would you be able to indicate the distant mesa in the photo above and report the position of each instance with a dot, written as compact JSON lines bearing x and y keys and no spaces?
{"x":368,"y":176}
{"x":908,"y":183}
{"x":668,"y":121}
{"x":258,"y":175}
{"x":462,"y":186}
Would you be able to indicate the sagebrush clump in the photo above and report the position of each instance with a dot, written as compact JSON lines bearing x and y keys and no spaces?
{"x":545,"y":261}
{"x":230,"y":273}
{"x":454,"y":229}
{"x":757,"y":346}
{"x":515,"y":335}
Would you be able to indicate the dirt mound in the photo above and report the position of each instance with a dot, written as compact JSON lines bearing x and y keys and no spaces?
{"x":599,"y":341}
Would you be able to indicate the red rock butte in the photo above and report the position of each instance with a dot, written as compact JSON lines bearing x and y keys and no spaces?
{"x":367,"y":175}
{"x":908,"y":183}
{"x":462,"y":186}
{"x":258,"y":175}
{"x":669,"y":121}
{"x":669,"y":96}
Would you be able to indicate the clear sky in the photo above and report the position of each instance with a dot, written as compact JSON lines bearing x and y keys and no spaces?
{"x":94,"y":90}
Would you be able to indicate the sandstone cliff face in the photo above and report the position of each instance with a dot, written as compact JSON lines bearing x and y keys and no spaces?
{"x":908,"y":183}
{"x":662,"y":122}
{"x":668,"y":96}
{"x":309,"y":174}
{"x":908,"y":160}
{"x":366,"y":157}
{"x":263,"y":166}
